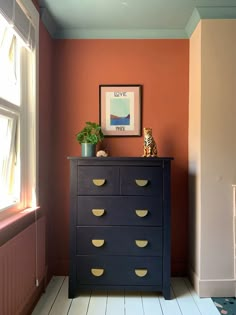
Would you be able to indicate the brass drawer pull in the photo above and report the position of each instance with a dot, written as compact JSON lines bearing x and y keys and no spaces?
{"x":141,"y":272}
{"x":141,"y":243}
{"x":141,"y":213}
{"x":98,"y":212}
{"x":99,"y":182}
{"x":98,"y":243}
{"x":97,"y":272}
{"x":141,"y":182}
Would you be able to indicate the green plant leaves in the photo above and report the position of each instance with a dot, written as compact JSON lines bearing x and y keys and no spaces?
{"x":91,"y":133}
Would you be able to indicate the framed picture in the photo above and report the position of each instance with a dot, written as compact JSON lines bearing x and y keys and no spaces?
{"x":120,"y":110}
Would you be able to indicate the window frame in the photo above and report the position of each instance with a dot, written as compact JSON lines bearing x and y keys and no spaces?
{"x":28,"y":118}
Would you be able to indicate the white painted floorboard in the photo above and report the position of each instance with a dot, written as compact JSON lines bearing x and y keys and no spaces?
{"x":62,"y":303}
{"x":206,"y":306}
{"x":184,"y":301}
{"x":170,"y":307}
{"x":98,"y":304}
{"x":184,"y":298}
{"x":80,"y":305}
{"x":133,"y":303}
{"x":115,"y":303}
{"x":48,"y":298}
{"x":151,"y":303}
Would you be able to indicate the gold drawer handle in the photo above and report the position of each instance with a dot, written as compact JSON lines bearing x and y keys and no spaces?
{"x":141,"y":213}
{"x":99,"y":182}
{"x":98,"y":243}
{"x":141,"y":182}
{"x":141,"y":272}
{"x":97,"y":272}
{"x":141,"y":243}
{"x":98,"y":212}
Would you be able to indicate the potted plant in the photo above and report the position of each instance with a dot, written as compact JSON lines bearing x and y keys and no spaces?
{"x":88,"y":137}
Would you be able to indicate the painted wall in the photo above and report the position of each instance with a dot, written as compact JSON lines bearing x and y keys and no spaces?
{"x":162,"y":67}
{"x":194,"y":147}
{"x":45,"y":126}
{"x":215,"y":271}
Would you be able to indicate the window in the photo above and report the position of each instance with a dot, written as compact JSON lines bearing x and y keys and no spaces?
{"x":17,"y":107}
{"x":9,"y":189}
{"x":9,"y":64}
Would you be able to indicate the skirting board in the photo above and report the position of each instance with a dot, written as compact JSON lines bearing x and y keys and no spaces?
{"x":212,"y":287}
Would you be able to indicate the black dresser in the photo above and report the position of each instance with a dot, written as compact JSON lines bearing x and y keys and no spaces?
{"x":119,"y":224}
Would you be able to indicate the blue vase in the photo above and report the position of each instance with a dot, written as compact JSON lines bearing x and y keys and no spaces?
{"x":88,"y":149}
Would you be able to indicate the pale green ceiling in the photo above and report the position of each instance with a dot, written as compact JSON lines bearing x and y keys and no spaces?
{"x":130,"y":18}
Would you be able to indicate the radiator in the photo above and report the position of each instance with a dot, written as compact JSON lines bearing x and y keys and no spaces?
{"x":21,"y":264}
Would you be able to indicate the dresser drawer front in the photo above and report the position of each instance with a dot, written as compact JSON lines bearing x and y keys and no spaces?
{"x":109,"y":210}
{"x":119,"y":241}
{"x":141,"y":181}
{"x":98,"y":180}
{"x":119,"y":270}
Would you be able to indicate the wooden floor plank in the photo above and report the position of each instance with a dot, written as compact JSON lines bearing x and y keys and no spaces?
{"x":133,"y":303}
{"x":184,"y":298}
{"x":115,"y":303}
{"x":62,"y":303}
{"x":205,"y":305}
{"x":98,"y":303}
{"x":184,"y":301}
{"x":46,"y":301}
{"x":80,"y":304}
{"x":170,"y":307}
{"x":151,"y":303}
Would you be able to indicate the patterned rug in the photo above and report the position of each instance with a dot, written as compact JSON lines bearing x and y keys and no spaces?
{"x":226,"y":305}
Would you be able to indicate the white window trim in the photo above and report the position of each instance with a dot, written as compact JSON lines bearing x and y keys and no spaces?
{"x":28,"y":136}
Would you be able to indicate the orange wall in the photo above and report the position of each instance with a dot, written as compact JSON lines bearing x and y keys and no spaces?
{"x":162,"y":67}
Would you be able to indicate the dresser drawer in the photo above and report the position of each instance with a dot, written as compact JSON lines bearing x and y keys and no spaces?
{"x":141,"y":181}
{"x":109,"y":210}
{"x":112,"y":270}
{"x":98,"y":180}
{"x":119,"y":241}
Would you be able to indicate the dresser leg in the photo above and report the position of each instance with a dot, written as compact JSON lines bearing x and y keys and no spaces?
{"x":71,"y":290}
{"x":71,"y":294}
{"x":166,"y":293}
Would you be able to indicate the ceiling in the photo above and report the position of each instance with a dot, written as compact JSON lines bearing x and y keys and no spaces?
{"x":130,"y":18}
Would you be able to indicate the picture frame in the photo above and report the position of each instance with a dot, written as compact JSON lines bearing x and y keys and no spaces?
{"x":120,"y":110}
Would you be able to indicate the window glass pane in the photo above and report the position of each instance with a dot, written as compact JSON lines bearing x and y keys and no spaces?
{"x":2,"y":29}
{"x":9,"y":189}
{"x":9,"y":64}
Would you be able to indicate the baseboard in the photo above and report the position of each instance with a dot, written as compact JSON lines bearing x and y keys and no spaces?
{"x":212,"y":287}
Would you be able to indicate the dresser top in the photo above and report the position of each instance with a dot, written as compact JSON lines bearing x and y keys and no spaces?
{"x":120,"y":160}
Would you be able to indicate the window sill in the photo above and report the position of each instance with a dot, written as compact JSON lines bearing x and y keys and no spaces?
{"x":14,"y":224}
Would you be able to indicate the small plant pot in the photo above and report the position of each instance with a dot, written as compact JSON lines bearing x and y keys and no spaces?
{"x":88,"y":149}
